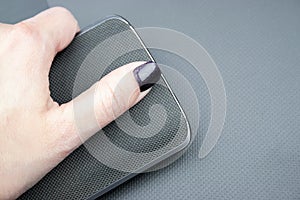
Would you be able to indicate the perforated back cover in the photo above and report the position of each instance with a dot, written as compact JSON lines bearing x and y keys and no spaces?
{"x":82,"y":175}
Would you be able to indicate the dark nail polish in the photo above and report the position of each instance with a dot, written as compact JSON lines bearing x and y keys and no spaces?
{"x":147,"y":75}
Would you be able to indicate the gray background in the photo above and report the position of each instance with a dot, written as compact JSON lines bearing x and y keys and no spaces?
{"x":256,"y":46}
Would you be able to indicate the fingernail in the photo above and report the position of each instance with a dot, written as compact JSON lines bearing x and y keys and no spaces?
{"x":147,"y":75}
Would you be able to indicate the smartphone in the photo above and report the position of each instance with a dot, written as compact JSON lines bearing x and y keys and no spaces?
{"x":149,"y":133}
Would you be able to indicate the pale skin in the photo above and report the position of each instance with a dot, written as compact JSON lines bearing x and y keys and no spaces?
{"x":36,"y":133}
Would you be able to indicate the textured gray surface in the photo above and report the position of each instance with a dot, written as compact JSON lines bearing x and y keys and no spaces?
{"x":12,"y":11}
{"x":256,"y":46}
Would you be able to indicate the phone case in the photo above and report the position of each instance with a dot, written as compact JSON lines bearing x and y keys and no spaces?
{"x":97,"y":166}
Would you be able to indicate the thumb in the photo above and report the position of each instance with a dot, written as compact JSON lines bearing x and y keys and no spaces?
{"x":107,"y":99}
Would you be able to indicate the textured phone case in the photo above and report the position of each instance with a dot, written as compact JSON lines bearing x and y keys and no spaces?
{"x":81,"y":175}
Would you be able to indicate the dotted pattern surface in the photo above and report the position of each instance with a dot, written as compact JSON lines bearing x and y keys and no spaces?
{"x":81,"y":176}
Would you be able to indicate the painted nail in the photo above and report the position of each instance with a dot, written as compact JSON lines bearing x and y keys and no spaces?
{"x":147,"y":75}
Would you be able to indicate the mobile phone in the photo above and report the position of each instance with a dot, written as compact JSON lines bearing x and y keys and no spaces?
{"x":113,"y":155}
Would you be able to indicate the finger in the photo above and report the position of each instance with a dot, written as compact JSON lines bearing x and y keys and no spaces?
{"x":56,"y":27}
{"x":108,"y":99}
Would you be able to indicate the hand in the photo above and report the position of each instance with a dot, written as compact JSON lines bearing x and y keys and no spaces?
{"x":35,"y":132}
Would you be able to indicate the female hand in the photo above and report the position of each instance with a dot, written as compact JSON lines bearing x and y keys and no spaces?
{"x":35,"y":132}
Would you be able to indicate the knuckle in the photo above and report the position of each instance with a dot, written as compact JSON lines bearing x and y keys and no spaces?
{"x":62,"y":138}
{"x":109,"y":103}
{"x":25,"y":32}
{"x":24,"y":29}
